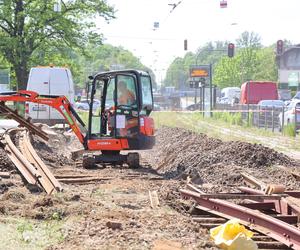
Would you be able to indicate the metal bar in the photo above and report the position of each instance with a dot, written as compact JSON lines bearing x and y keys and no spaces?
{"x":241,"y":196}
{"x":259,"y":205}
{"x":248,"y":190}
{"x":23,"y":122}
{"x":47,"y":179}
{"x":293,"y":193}
{"x":22,"y":164}
{"x":291,"y":219}
{"x":84,"y":180}
{"x":278,"y":230}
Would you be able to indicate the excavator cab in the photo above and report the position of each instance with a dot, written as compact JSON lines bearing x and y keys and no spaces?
{"x":121,"y":121}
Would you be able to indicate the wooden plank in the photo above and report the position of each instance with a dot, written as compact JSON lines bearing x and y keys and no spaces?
{"x":253,"y":181}
{"x":154,"y":201}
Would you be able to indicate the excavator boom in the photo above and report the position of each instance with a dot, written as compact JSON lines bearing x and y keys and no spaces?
{"x":60,"y":103}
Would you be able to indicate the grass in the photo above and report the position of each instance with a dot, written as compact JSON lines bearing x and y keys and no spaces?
{"x":19,"y":233}
{"x":289,"y":130}
{"x":226,"y":128}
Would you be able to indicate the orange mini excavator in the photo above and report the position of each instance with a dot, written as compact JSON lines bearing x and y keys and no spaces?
{"x":120,"y":122}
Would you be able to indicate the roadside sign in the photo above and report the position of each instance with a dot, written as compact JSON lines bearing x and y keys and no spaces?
{"x":199,"y":71}
{"x":293,"y":79}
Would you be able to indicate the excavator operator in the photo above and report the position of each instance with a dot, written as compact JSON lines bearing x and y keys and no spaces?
{"x":126,"y":96}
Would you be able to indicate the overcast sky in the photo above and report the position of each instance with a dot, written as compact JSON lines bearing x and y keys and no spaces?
{"x":198,"y":21}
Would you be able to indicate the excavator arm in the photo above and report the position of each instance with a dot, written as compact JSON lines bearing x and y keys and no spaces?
{"x":60,"y":103}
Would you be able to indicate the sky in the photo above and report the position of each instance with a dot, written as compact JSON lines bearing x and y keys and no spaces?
{"x":198,"y":21}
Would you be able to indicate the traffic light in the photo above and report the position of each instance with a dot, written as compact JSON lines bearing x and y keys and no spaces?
{"x":230,"y":50}
{"x":279,"y":47}
{"x":185,"y":44}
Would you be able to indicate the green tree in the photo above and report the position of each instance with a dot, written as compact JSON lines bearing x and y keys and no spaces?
{"x":266,"y":67}
{"x":108,"y":57}
{"x":227,"y":72}
{"x":251,"y":62}
{"x":27,"y":26}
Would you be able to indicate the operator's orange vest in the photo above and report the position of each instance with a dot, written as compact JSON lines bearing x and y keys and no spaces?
{"x":126,"y":97}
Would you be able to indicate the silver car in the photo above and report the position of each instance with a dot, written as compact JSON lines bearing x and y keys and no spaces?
{"x":84,"y":104}
{"x":291,"y":112}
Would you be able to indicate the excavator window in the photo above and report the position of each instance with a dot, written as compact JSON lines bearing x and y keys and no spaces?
{"x":147,"y":99}
{"x":127,"y":122}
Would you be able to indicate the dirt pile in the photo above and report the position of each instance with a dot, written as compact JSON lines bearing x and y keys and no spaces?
{"x":57,"y":150}
{"x":180,"y":153}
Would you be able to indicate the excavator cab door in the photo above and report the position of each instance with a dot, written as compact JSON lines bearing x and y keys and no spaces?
{"x":117,"y":116}
{"x":127,"y":106}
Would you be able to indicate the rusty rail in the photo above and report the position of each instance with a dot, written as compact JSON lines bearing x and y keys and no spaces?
{"x":26,"y":169}
{"x":46,"y":179}
{"x":261,"y":222}
{"x":6,"y":111}
{"x":28,"y":162}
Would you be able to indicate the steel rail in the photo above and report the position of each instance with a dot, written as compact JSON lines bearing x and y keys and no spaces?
{"x":47,"y":179}
{"x":30,"y":165}
{"x":23,"y":165}
{"x":4,"y":110}
{"x":274,"y":228}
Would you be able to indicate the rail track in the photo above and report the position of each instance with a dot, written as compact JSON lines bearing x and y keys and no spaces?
{"x":26,"y":160}
{"x":273,"y":217}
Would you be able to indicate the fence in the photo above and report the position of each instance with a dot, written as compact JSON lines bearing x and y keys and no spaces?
{"x":272,"y":118}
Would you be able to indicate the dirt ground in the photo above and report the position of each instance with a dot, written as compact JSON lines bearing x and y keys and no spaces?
{"x":116,"y":213}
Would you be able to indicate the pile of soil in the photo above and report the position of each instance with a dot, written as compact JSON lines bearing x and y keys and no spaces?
{"x":180,"y":153}
{"x":56,"y":151}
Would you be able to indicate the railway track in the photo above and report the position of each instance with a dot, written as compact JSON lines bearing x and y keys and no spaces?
{"x":272,"y":217}
{"x":26,"y":160}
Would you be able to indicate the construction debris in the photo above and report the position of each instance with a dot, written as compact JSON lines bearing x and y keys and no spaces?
{"x":154,"y":201}
{"x":27,"y":161}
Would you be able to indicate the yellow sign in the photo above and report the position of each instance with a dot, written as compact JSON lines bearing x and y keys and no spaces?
{"x":199,"y":73}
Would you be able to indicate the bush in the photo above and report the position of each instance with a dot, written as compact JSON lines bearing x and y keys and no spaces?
{"x":289,"y":130}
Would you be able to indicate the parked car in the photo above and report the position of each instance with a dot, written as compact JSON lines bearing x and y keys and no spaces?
{"x":284,"y":94}
{"x":84,"y":104}
{"x":49,"y":81}
{"x":253,"y":92}
{"x":271,"y":103}
{"x":194,"y":107}
{"x":297,"y":96}
{"x":291,"y":111}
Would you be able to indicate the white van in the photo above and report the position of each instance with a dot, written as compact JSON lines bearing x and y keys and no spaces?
{"x":229,"y":94}
{"x":49,"y":81}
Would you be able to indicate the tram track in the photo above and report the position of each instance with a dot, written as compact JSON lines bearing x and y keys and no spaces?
{"x":273,"y":218}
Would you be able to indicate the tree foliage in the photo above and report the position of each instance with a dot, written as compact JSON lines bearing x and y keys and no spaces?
{"x":252,"y":61}
{"x":95,"y":59}
{"x":28,"y":26}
